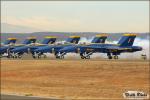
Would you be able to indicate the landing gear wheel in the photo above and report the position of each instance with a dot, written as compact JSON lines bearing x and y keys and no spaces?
{"x":19,"y":56}
{"x":109,"y":57}
{"x":8,"y":56}
{"x":88,"y":57}
{"x":0,"y":56}
{"x":34,"y":56}
{"x":14,"y":57}
{"x":45,"y":56}
{"x":61,"y":57}
{"x":115,"y":57}
{"x":39,"y":56}
{"x":82,"y":57}
{"x":57,"y":57}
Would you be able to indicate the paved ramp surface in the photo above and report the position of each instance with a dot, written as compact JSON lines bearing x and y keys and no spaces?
{"x":15,"y":97}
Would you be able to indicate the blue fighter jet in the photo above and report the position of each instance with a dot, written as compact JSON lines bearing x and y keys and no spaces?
{"x":72,"y":40}
{"x":8,"y":48}
{"x":19,"y":51}
{"x":98,"y":39}
{"x":4,"y":46}
{"x":56,"y":49}
{"x":125,"y":44}
{"x":47,"y":40}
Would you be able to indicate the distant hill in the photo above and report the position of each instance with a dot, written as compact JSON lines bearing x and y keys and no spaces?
{"x":9,"y":28}
{"x":63,"y":35}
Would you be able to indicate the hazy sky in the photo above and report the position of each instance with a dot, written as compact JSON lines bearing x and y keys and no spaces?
{"x":78,"y":16}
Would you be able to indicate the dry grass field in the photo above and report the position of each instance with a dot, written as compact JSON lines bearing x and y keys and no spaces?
{"x":74,"y":79}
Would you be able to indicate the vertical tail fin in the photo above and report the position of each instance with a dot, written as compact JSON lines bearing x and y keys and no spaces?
{"x":29,"y":40}
{"x":101,"y":38}
{"x":127,"y":40}
{"x":49,"y":40}
{"x":73,"y":39}
{"x":10,"y":40}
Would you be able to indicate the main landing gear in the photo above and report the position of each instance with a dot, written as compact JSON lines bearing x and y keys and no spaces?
{"x":15,"y":55}
{"x":85,"y":57}
{"x":116,"y":57}
{"x":60,"y":55}
{"x":112,"y":57}
{"x":38,"y":55}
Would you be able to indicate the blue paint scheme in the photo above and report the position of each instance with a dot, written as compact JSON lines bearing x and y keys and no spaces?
{"x":73,"y":40}
{"x":6,"y":45}
{"x":52,"y":48}
{"x":24,"y":43}
{"x":25,"y":49}
{"x":20,"y":49}
{"x":45,"y":42}
{"x":48,"y":40}
{"x":56,"y":48}
{"x":127,"y":40}
{"x":124,"y":45}
{"x":29,"y":41}
{"x":7,"y":49}
{"x":3,"y":49}
{"x":101,"y":39}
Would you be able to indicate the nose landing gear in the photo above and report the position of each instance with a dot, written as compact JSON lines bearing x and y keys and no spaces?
{"x":86,"y":55}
